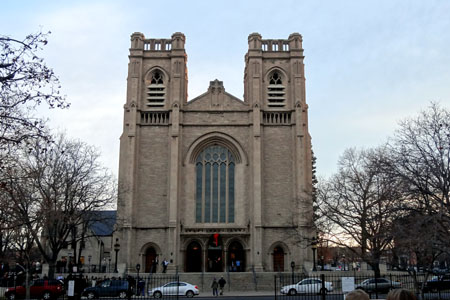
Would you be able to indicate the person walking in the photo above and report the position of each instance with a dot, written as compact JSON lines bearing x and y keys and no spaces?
{"x":222,"y":283}
{"x":214,"y":287}
{"x":238,"y":265}
{"x":165,"y":263}
{"x":131,"y":283}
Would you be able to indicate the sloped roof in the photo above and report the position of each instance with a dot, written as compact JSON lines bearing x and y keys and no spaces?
{"x":102,"y":222}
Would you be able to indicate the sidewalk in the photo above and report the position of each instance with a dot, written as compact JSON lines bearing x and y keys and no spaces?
{"x":237,"y":293}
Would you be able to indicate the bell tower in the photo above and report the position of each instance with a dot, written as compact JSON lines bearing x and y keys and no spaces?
{"x":274,"y":87}
{"x":274,"y":72}
{"x":156,"y":92}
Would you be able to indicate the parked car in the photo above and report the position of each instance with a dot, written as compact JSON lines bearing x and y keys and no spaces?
{"x":41,"y":288}
{"x":107,"y":288}
{"x":378,"y":285}
{"x":307,"y":286}
{"x":437,"y":283}
{"x":175,"y":288}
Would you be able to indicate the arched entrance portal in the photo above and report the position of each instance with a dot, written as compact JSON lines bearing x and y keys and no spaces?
{"x":278,"y":259}
{"x":193,"y":257}
{"x":215,"y":254}
{"x":236,"y":257}
{"x":151,"y":260}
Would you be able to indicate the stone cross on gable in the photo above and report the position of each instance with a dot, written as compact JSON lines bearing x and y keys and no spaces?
{"x":216,"y":87}
{"x":216,"y":90}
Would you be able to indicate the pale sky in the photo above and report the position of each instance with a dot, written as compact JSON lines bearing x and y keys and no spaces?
{"x":368,"y":64}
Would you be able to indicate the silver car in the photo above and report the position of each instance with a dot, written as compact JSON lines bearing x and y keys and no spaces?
{"x":378,"y":285}
{"x":307,"y":286}
{"x":175,"y":288}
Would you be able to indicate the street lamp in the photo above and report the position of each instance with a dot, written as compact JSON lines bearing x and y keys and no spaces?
{"x":138,"y":267}
{"x":322,"y":262}
{"x":70,"y":262}
{"x":293,"y":267}
{"x":116,"y":248}
{"x":89,"y":259}
{"x":314,"y":248}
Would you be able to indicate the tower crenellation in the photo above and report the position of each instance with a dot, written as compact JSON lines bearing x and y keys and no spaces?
{"x":274,"y":73}
{"x":139,"y":42}
{"x":294,"y":42}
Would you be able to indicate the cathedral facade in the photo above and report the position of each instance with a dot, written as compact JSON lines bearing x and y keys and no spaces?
{"x":215,"y":183}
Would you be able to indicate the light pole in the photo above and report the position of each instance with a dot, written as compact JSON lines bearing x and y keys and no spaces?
{"x":292,"y":267}
{"x":314,"y":248}
{"x":70,"y":266}
{"x":321,"y":262}
{"x":89,"y":259}
{"x":116,"y":249}
{"x":138,"y":267}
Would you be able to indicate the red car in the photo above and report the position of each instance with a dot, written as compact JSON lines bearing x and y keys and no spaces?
{"x":41,"y":289}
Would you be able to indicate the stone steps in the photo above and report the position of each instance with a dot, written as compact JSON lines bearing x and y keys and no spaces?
{"x":236,"y":281}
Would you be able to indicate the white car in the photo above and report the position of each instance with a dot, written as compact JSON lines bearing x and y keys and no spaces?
{"x":307,"y":286}
{"x":175,"y":288}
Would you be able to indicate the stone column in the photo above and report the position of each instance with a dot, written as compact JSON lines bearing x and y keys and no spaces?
{"x":128,"y":161}
{"x":257,"y":235}
{"x":173,"y":238}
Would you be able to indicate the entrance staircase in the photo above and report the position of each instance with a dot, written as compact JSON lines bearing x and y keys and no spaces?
{"x":236,"y":281}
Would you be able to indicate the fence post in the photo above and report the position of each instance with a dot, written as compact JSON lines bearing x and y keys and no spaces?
{"x":229,"y":280}
{"x":322,"y":290}
{"x":376,"y":285}
{"x":275,"y":285}
{"x":178,"y":284}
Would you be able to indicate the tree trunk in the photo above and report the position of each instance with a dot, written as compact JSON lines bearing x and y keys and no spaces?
{"x":51,"y":268}
{"x":376,"y":269}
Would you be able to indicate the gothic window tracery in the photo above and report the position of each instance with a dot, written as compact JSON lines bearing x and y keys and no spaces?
{"x":276,"y":90}
{"x":215,"y":173}
{"x":156,"y":90}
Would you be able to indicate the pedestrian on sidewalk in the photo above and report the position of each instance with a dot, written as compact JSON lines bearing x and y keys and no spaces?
{"x":165,"y":263}
{"x":214,"y":287}
{"x":222,"y":283}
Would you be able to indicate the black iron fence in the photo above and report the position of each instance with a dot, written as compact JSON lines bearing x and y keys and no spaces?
{"x":335,"y":286}
{"x":77,"y":286}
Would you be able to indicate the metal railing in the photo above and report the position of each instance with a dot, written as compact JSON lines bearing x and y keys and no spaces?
{"x":322,"y":286}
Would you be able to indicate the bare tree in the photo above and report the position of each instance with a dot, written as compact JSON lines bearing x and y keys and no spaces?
{"x":420,"y":238}
{"x":59,"y":183}
{"x":420,"y":157}
{"x":25,"y":82}
{"x":7,"y":220}
{"x":357,"y":203}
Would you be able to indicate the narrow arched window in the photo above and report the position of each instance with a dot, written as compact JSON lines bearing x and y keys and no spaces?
{"x":215,"y":167}
{"x":156,"y":91}
{"x":276,"y":91}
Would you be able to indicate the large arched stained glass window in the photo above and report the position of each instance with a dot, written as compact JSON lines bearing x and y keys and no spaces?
{"x":214,"y":168}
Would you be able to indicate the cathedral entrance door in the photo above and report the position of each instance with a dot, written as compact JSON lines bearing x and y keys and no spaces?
{"x":215,"y":254}
{"x":193,"y":257}
{"x":278,"y":259}
{"x":236,"y":257}
{"x":151,"y":260}
{"x":214,"y":263}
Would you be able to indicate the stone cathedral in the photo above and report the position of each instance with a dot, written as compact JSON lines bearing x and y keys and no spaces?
{"x":216,"y":183}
